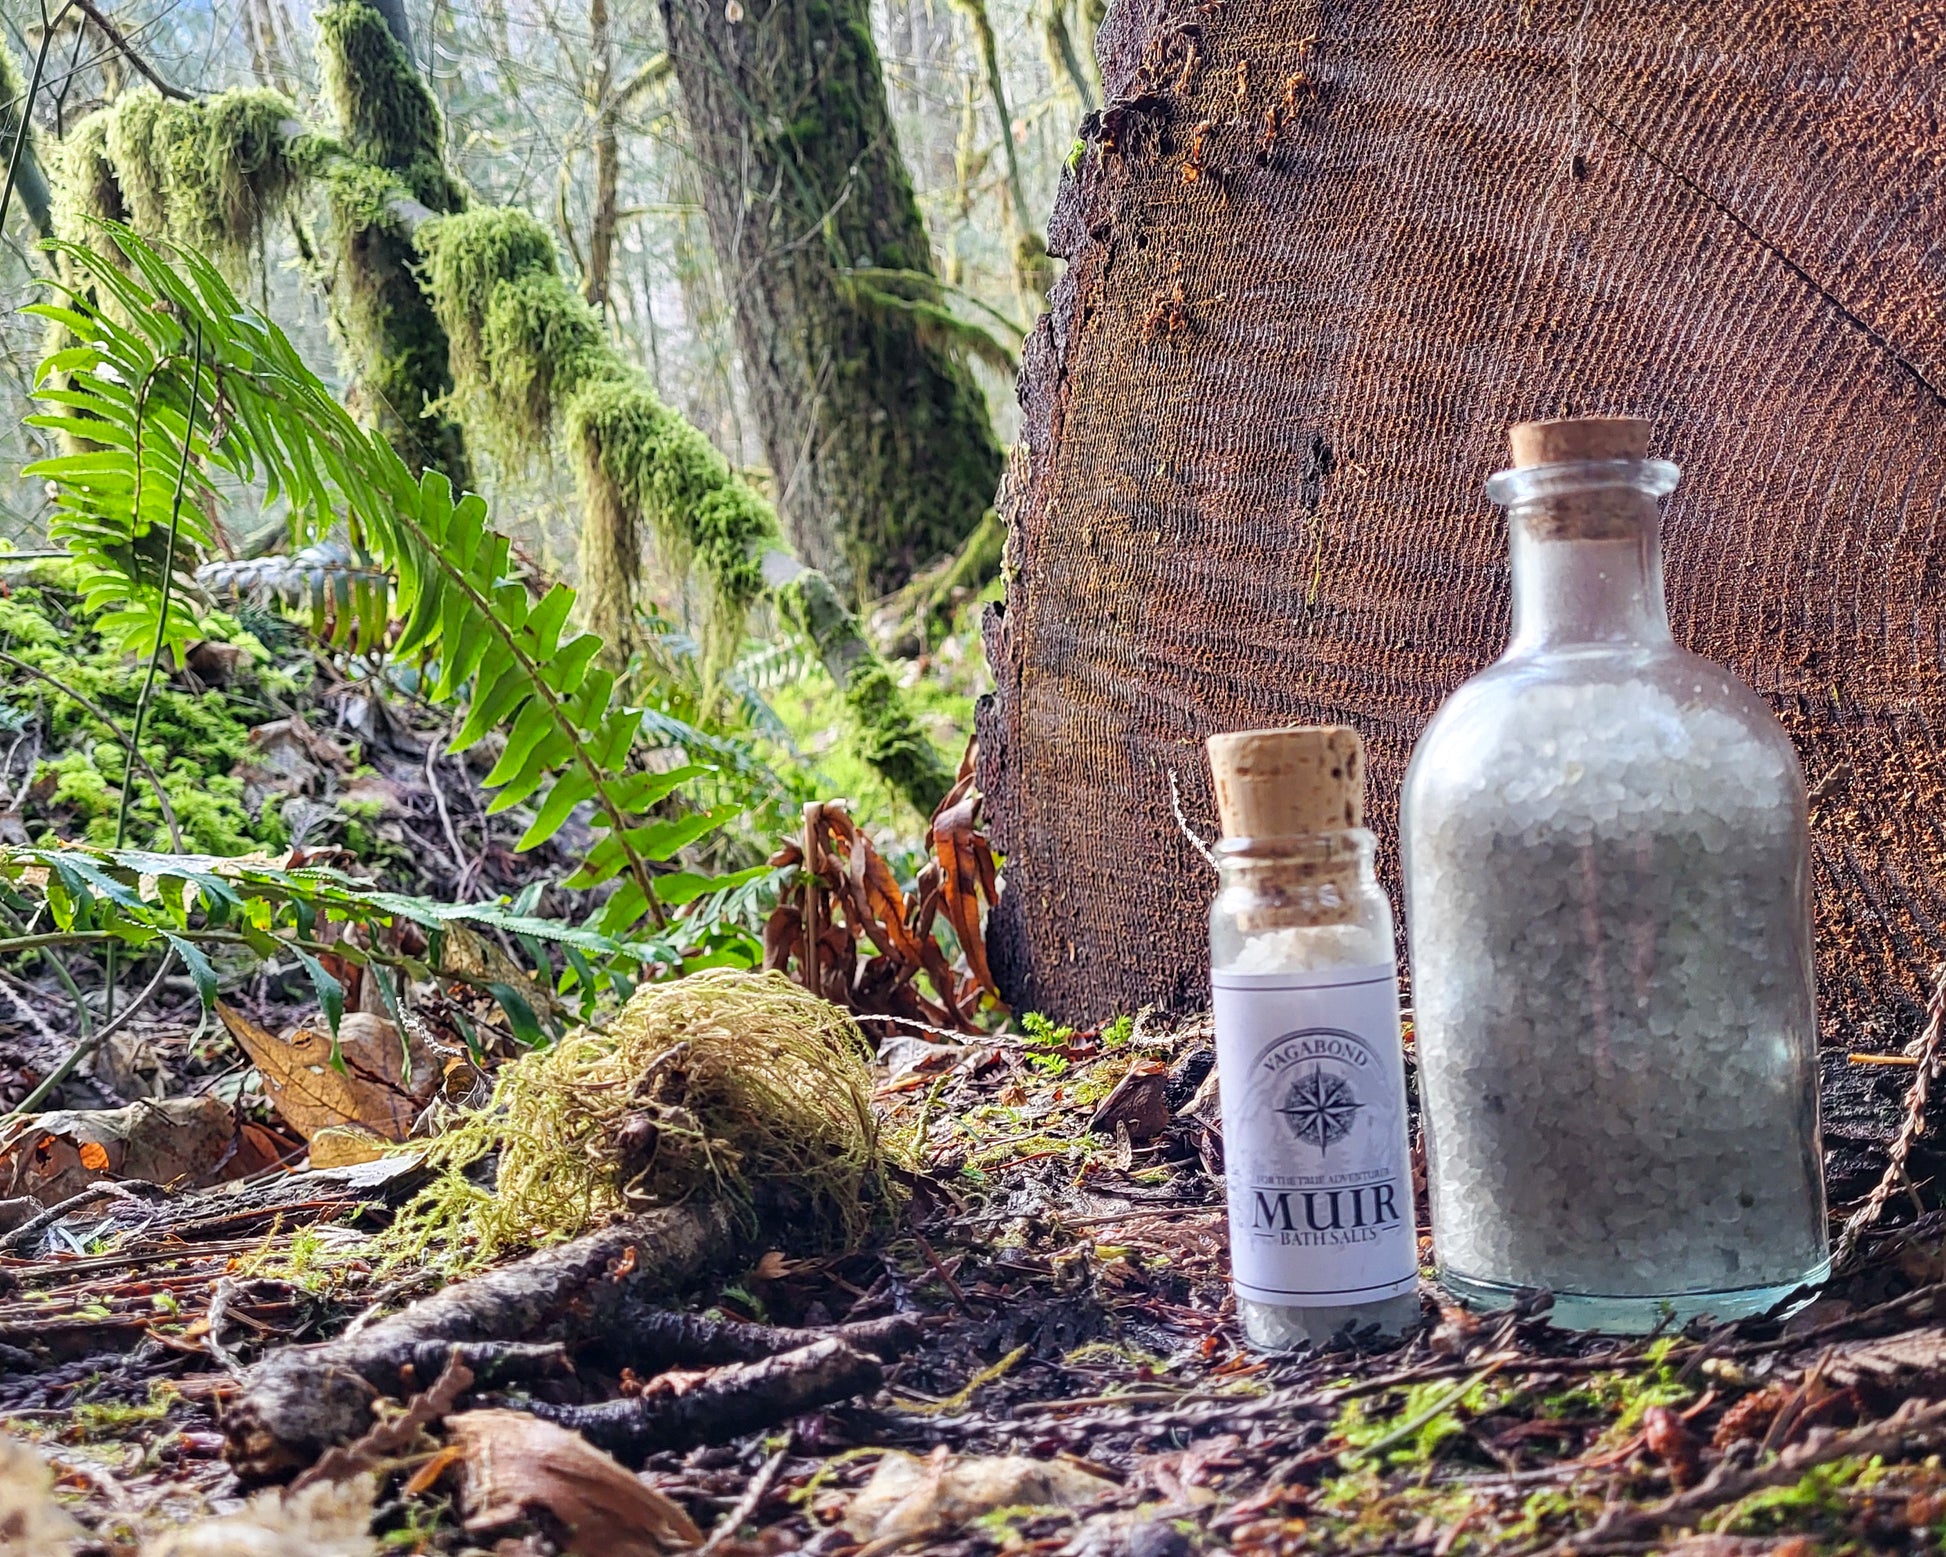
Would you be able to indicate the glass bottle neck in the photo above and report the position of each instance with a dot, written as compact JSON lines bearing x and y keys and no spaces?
{"x":1603,"y":593}
{"x":1587,"y":554}
{"x":1316,"y":879}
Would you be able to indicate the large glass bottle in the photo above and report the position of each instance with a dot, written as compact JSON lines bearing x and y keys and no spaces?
{"x":1311,"y":1071}
{"x":1609,"y":908}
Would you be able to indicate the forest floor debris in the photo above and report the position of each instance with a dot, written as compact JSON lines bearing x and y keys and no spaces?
{"x":1053,"y":1298}
{"x":970,"y":1299}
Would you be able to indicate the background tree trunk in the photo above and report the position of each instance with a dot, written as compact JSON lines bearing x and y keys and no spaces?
{"x":388,"y":120}
{"x":1321,"y":256}
{"x":883,"y":454}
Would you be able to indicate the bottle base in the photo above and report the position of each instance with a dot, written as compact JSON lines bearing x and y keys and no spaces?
{"x":1271,"y":1327}
{"x":1631,"y":1315}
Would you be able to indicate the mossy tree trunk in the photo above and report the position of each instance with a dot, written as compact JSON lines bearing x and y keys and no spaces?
{"x":879,"y":439}
{"x":388,"y":121}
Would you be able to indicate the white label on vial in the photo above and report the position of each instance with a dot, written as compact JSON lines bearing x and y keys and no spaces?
{"x":1319,"y":1171}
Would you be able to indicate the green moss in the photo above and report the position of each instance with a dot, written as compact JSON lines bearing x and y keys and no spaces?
{"x":521,"y":339}
{"x":208,"y":174}
{"x":1406,"y":1428}
{"x":527,"y":352}
{"x":384,"y":111}
{"x":92,"y":1420}
{"x":388,"y":122}
{"x":641,"y":463}
{"x":882,"y":723}
{"x":86,"y":188}
{"x":1821,"y":1495}
{"x":191,"y":740}
{"x":391,"y":335}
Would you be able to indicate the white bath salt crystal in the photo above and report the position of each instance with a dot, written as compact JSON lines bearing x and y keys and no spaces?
{"x":1635,"y":919}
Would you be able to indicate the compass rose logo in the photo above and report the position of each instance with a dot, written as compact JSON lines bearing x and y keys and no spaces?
{"x":1320,"y":1108}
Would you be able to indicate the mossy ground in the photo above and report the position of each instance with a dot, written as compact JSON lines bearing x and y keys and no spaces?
{"x":192,"y":738}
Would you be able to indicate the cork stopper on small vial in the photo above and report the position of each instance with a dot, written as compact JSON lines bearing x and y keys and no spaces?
{"x":1289,"y":783}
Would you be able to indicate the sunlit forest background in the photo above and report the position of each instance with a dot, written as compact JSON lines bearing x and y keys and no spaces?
{"x":527,"y":92}
{"x":522,"y":87}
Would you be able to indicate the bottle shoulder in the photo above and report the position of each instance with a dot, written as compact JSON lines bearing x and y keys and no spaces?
{"x":1662,"y":718}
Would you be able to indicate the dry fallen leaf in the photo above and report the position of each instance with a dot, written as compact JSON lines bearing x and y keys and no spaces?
{"x":1139,"y":1103}
{"x":910,"y":1500}
{"x":345,"y":1146}
{"x":192,"y":1140}
{"x":519,"y":1468}
{"x":380,"y":1084}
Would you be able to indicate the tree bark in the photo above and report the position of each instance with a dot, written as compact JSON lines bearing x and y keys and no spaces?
{"x":606,"y":109}
{"x":879,"y":438}
{"x":388,"y":120}
{"x":1320,"y":257}
{"x":735,"y":1399}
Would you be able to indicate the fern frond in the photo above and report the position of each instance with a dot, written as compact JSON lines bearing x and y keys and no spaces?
{"x":511,"y":663}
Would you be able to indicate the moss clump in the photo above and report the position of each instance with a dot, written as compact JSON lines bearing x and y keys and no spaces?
{"x":883,"y":726}
{"x":207,"y":174}
{"x":390,"y":333}
{"x":87,"y":189}
{"x":726,"y":1083}
{"x":521,"y":339}
{"x":635,"y":452}
{"x":385,"y":113}
{"x":528,"y":353}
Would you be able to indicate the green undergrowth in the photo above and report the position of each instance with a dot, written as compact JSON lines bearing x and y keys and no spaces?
{"x":192,"y":739}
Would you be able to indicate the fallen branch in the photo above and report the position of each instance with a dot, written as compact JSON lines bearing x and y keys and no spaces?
{"x":650,"y":1340}
{"x":734,"y":1400}
{"x":748,"y":1505}
{"x":107,"y":1189}
{"x":303,"y":1400}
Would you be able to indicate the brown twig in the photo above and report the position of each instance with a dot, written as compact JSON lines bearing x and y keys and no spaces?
{"x":1785,"y":1422}
{"x":46,"y":1085}
{"x":128,"y":1189}
{"x":119,"y":40}
{"x":747,"y":1505}
{"x":1911,"y":1128}
{"x":1731,"y":1481}
{"x":387,"y":1438}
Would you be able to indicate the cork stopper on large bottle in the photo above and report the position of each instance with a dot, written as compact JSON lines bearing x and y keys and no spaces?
{"x":1568,"y":439}
{"x":1602,"y":510}
{"x":1289,"y":783}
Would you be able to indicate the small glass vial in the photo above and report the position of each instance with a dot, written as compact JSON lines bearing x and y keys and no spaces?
{"x":1609,"y":902}
{"x":1310,"y":1068}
